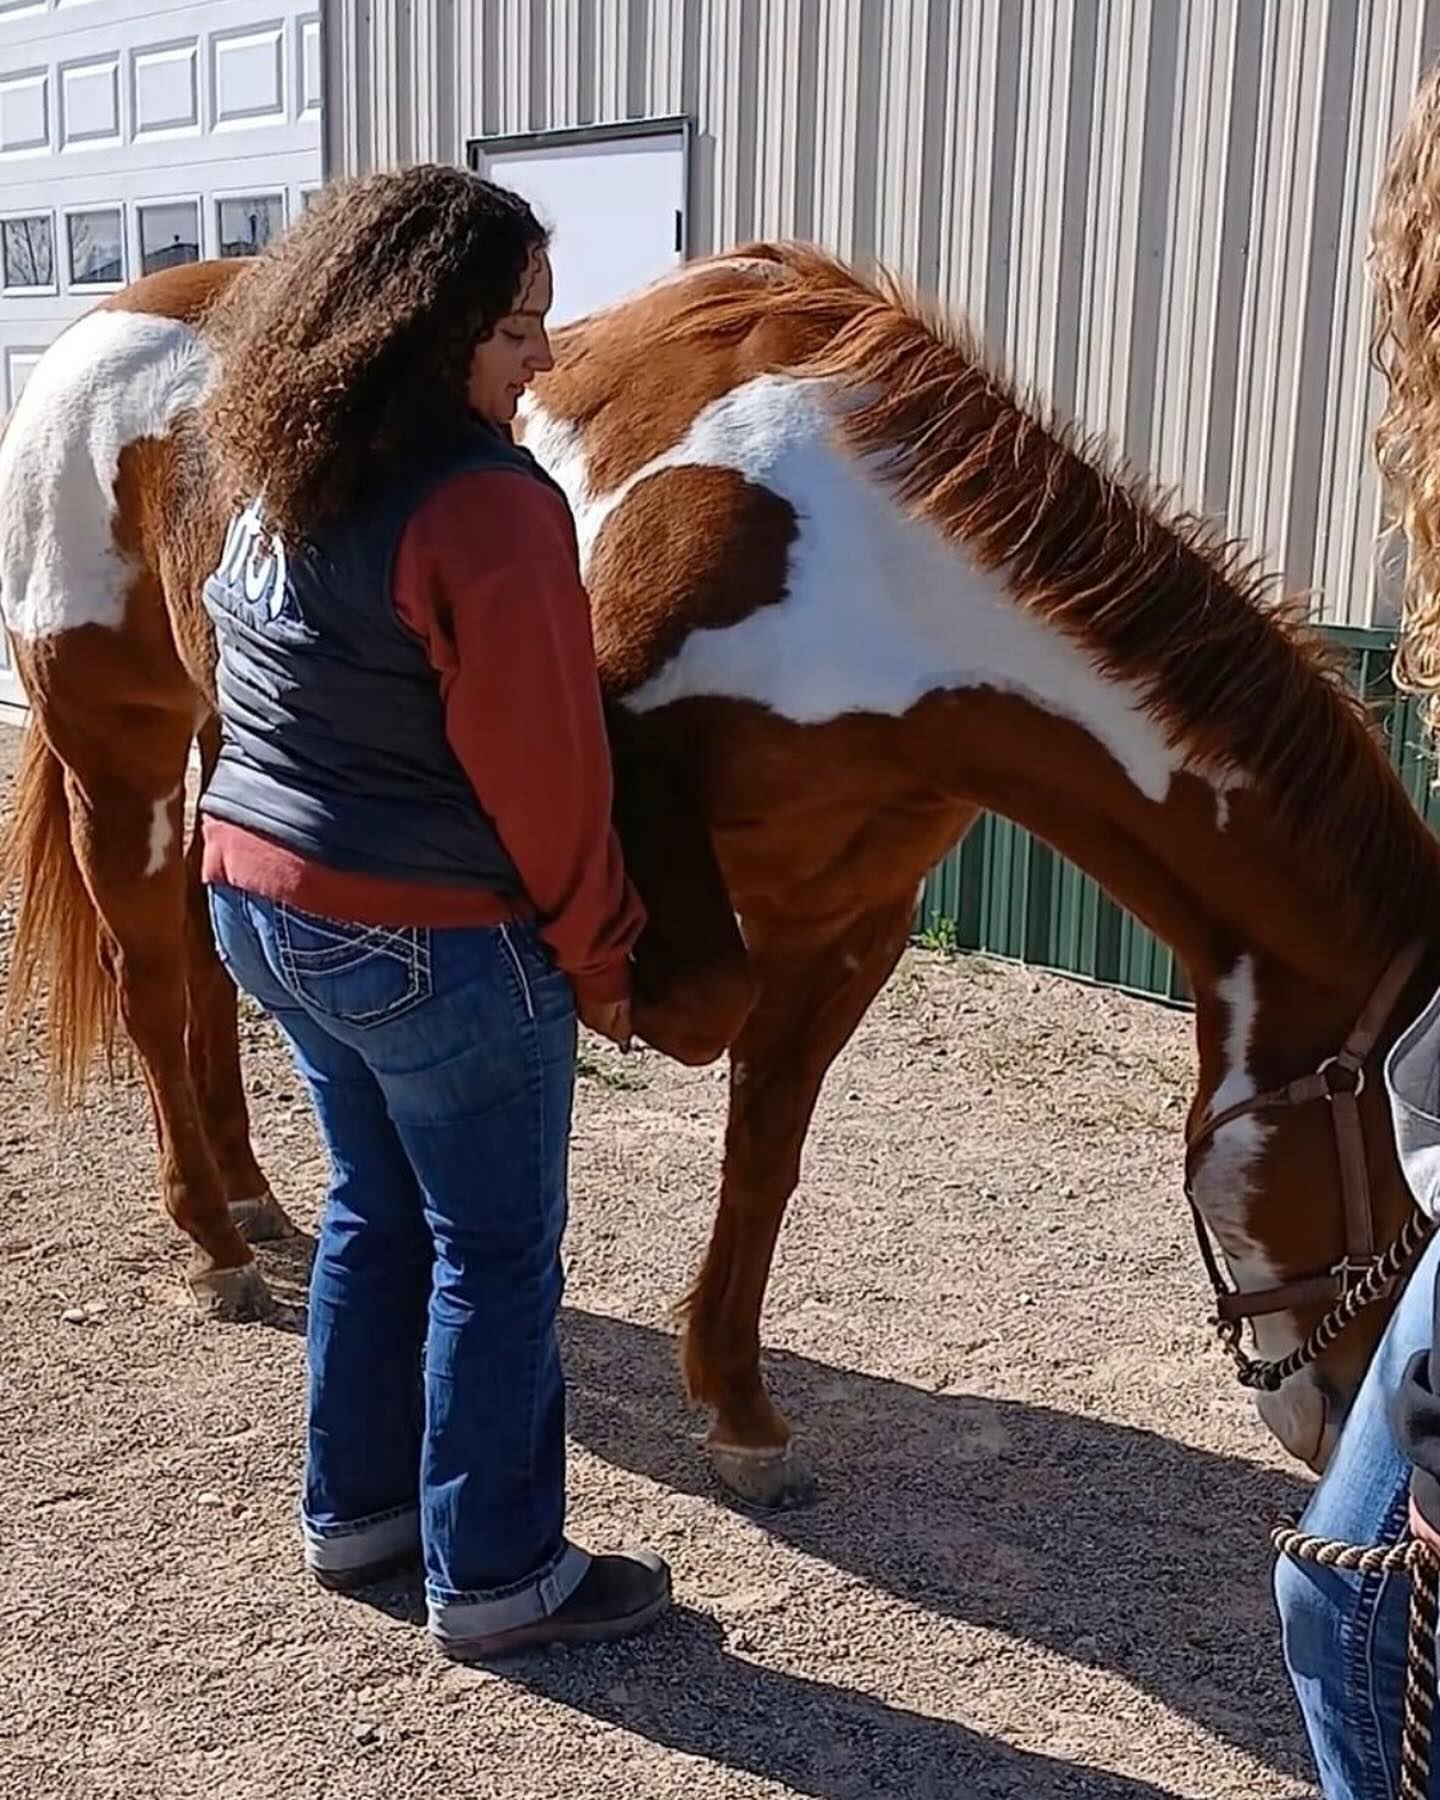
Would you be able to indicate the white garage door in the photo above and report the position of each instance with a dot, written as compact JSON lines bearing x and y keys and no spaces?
{"x":615,"y":197}
{"x":136,"y":134}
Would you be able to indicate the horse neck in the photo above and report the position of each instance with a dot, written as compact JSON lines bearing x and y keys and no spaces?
{"x":1202,"y":859}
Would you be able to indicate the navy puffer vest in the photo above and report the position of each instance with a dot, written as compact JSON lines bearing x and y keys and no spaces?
{"x":333,"y":729}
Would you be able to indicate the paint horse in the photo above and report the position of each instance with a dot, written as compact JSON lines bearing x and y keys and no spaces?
{"x":848,"y":592}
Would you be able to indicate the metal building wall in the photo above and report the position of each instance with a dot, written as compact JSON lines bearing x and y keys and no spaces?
{"x":1156,"y":210}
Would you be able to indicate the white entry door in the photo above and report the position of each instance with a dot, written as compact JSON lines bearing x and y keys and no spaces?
{"x":615,"y":197}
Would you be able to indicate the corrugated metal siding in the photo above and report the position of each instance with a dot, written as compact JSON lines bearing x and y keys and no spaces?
{"x":1155,"y":210}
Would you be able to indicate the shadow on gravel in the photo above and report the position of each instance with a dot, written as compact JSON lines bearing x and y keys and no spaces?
{"x":680,"y":1687}
{"x":1113,"y":1546}
{"x":285,"y":1264}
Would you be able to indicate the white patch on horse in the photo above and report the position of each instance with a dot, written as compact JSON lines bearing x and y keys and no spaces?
{"x":162,"y":833}
{"x":110,"y":380}
{"x":1226,"y":783}
{"x":1223,"y":1186}
{"x":558,"y":446}
{"x":880,"y":609}
{"x":1223,"y":1174}
{"x":1224,"y":1177}
{"x":758,"y":268}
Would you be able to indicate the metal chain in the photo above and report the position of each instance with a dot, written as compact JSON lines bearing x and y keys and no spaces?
{"x":1373,"y":1285}
{"x":1419,"y":1563}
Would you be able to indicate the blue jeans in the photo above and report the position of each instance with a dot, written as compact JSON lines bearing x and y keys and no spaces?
{"x":1345,"y":1635}
{"x":442,"y":1065}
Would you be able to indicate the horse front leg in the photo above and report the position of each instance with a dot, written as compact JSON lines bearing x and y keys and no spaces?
{"x":813,"y":996}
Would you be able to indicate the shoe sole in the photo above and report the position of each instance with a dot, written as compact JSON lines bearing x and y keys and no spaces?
{"x":545,"y":1634}
{"x":351,"y":1581}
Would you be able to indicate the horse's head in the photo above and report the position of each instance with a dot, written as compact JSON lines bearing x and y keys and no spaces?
{"x":1292,"y":1167}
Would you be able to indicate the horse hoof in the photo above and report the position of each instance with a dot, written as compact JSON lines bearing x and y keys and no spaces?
{"x":262,"y":1221}
{"x":769,"y":1479}
{"x":232,"y":1296}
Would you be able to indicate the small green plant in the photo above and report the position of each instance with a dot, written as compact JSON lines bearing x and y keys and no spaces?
{"x":941,"y":937}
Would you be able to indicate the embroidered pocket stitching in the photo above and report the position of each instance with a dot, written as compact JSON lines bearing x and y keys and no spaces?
{"x":411,"y":952}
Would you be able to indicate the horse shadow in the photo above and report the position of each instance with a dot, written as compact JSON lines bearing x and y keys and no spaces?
{"x":1106,"y":1544}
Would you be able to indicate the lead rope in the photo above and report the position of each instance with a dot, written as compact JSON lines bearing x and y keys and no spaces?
{"x":1418,"y":1562}
{"x":1373,"y":1285}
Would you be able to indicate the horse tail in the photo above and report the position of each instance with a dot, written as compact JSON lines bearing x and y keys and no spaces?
{"x":56,"y":952}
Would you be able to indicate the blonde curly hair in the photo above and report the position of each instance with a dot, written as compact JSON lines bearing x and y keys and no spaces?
{"x":1405,"y":271}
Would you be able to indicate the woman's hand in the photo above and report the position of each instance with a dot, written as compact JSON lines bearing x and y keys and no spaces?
{"x":611,"y":1020}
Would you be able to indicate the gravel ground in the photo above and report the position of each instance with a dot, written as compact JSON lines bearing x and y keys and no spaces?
{"x":1036,"y":1566}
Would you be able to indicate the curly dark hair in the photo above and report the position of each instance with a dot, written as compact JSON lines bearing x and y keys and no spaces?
{"x":346,"y":344}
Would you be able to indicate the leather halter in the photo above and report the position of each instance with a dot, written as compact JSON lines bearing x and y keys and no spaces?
{"x":1339,"y":1081}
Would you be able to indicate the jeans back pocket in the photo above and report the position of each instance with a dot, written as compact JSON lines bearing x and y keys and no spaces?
{"x":360,"y":975}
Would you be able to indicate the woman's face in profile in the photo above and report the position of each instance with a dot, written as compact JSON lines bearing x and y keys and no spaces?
{"x":518,"y":350}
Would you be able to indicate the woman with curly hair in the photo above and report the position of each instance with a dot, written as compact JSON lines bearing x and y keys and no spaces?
{"x":412,"y":869}
{"x":1345,"y":1634}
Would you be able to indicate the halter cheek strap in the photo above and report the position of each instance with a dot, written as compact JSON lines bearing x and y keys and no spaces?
{"x":1339,"y":1081}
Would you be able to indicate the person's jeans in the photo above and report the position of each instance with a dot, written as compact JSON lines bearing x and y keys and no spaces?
{"x":1345,"y":1635}
{"x":442,"y":1066}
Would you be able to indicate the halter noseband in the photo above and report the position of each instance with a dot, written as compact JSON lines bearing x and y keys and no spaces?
{"x":1360,"y":1277}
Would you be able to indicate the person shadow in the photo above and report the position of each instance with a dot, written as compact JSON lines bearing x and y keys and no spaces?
{"x":1110,"y":1545}
{"x":681,"y":1687}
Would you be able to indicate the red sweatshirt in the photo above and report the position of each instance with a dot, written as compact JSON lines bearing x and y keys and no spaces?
{"x":487,"y":576}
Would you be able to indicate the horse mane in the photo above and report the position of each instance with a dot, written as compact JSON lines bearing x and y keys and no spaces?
{"x":1231,"y":673}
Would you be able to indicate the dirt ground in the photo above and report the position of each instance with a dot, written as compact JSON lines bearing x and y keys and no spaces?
{"x":1036,"y":1566}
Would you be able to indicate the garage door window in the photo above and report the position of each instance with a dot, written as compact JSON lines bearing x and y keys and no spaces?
{"x":249,"y":224}
{"x":169,"y":234}
{"x":97,"y":255}
{"x":27,"y":253}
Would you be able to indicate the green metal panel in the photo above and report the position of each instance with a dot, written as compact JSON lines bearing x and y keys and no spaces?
{"x":1007,"y":894}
